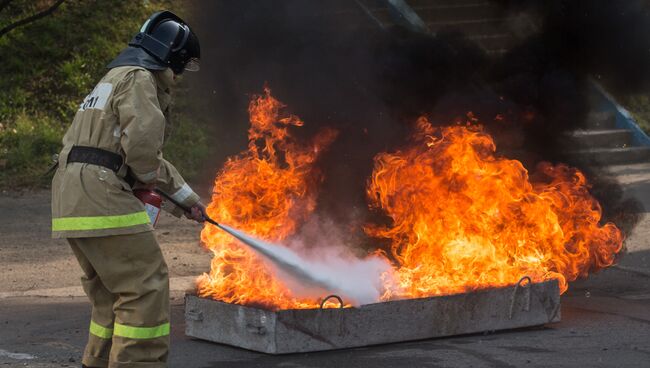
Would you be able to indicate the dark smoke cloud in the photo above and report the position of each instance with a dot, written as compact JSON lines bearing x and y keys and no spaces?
{"x":339,"y":69}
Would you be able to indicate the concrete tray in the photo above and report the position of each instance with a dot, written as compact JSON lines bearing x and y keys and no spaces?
{"x":304,"y":330}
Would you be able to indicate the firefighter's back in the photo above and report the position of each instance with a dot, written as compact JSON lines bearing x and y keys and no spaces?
{"x":93,"y":200}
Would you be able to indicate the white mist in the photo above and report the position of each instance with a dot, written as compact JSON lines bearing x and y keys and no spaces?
{"x":323,"y":269}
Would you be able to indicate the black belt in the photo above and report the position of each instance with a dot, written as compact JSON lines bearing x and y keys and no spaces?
{"x":96,"y":156}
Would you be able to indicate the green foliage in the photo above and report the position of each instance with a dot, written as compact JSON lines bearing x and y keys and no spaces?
{"x":53,"y":63}
{"x":26,"y":150}
{"x":187,"y":146}
{"x":46,"y":69}
{"x":639,"y":106}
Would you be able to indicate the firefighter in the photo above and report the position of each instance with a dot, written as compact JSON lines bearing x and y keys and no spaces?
{"x":112,"y":147}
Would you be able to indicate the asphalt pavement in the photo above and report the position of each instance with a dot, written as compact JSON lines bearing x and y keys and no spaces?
{"x":605,"y":323}
{"x":605,"y":318}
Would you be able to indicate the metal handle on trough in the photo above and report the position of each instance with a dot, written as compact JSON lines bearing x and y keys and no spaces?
{"x":526,"y":287}
{"x":257,"y":330}
{"x":322,"y":304}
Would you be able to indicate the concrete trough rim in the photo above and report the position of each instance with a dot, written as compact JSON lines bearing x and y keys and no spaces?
{"x":371,"y":304}
{"x":287,"y":331}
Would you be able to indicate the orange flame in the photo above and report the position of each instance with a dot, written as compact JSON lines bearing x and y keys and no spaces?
{"x":464,"y":219}
{"x":460,"y":218}
{"x":266,"y":191}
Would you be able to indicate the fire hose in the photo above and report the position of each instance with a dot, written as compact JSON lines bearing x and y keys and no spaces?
{"x":177,"y":204}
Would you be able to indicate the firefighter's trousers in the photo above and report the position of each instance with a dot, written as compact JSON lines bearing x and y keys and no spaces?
{"x":127,"y":282}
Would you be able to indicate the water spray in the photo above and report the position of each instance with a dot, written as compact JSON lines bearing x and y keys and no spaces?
{"x":287,"y":260}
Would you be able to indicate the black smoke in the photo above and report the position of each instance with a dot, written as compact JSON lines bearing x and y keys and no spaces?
{"x":333,"y":66}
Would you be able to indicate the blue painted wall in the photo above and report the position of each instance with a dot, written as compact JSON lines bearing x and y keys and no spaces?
{"x":624,"y":120}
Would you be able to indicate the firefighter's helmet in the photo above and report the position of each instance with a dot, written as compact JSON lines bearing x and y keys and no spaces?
{"x":164,"y":41}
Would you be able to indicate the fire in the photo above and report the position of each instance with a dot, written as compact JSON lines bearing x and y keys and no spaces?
{"x":266,"y":191}
{"x":465,"y":219}
{"x":458,"y":217}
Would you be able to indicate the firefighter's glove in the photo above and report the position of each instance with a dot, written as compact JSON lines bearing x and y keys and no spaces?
{"x":197,"y":212}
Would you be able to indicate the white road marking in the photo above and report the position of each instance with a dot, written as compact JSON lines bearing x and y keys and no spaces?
{"x":17,"y":356}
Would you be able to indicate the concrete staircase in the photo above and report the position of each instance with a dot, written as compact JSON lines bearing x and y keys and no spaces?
{"x":602,"y":141}
{"x":481,"y":20}
{"x":607,"y":138}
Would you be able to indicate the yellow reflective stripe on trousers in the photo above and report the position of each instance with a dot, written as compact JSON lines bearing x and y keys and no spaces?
{"x":99,"y":222}
{"x":100,"y":331}
{"x":141,"y":332}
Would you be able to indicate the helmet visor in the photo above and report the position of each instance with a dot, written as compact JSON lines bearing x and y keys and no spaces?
{"x":192,"y":65}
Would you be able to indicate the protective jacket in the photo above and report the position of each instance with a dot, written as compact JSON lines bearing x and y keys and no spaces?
{"x":126,"y":113}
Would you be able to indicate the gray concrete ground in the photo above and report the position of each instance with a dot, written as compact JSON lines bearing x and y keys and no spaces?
{"x":44,"y":318}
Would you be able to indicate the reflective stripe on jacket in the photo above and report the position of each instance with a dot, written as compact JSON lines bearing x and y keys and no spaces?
{"x":125,"y":113}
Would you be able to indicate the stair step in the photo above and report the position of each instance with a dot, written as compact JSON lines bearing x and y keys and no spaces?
{"x":483,"y":21}
{"x":615,"y":156}
{"x":458,"y":12}
{"x":601,"y":120}
{"x":473,"y":26}
{"x":609,"y":138}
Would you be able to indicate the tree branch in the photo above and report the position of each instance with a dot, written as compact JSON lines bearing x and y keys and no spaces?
{"x":29,"y":19}
{"x":4,"y":3}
